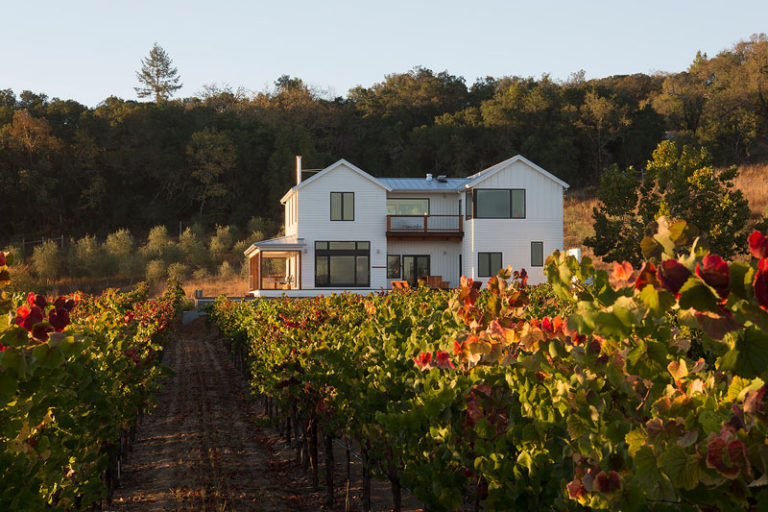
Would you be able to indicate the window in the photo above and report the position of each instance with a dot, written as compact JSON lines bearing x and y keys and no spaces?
{"x":501,"y":203}
{"x":468,"y":201}
{"x":342,"y":206}
{"x":339,"y":264}
{"x":393,"y":266}
{"x":408,"y":206}
{"x":488,"y":264}
{"x":537,"y":254}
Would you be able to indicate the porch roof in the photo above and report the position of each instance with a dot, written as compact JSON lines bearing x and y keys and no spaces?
{"x":283,"y":243}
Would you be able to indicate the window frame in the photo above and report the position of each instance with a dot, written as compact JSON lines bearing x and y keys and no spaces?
{"x":328,"y":253}
{"x":511,"y":205}
{"x":540,"y":244}
{"x":490,"y":255}
{"x":343,"y":212}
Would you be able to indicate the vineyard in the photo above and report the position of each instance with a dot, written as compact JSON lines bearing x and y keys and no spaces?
{"x":636,"y":389}
{"x":75,"y":373}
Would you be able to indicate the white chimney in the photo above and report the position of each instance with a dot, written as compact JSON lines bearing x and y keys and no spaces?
{"x":298,"y":169}
{"x":429,"y":177}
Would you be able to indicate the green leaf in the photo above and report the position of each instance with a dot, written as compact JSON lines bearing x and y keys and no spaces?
{"x":682,"y":469}
{"x":635,"y":439}
{"x":14,"y":337}
{"x":695,"y":294}
{"x":749,"y":357}
{"x":7,"y":386}
{"x":738,"y":272}
{"x":658,"y":301}
{"x":13,"y":358}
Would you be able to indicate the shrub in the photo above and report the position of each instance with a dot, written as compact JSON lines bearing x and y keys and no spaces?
{"x":46,"y":260}
{"x":200,"y":274}
{"x":226,"y":271}
{"x":155,"y":271}
{"x":178,"y":272}
{"x":120,"y":246}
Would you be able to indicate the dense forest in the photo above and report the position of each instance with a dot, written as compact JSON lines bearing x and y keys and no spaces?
{"x":225,"y":156}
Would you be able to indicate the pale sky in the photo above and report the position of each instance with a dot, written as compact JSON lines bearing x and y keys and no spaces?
{"x":87,"y":50}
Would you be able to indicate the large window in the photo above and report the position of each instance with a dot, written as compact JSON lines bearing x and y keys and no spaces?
{"x":537,"y":254}
{"x":410,"y":206}
{"x":393,"y":266}
{"x":488,"y":264}
{"x":342,"y":264}
{"x":342,"y":206}
{"x":499,"y":203}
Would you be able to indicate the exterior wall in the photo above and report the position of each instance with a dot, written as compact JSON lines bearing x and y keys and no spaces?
{"x":443,"y":257}
{"x":291,"y":218}
{"x":513,"y":237}
{"x":370,"y":224}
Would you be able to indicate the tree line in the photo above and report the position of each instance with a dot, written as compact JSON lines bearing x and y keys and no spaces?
{"x":224,"y":156}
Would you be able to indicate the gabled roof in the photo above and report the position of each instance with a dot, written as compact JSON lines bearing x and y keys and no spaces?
{"x":487,"y":173}
{"x":421,"y":184}
{"x":331,"y":168}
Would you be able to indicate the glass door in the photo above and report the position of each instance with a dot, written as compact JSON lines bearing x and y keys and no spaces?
{"x":415,"y":268}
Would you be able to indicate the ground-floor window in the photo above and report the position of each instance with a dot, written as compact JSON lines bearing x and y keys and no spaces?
{"x":342,"y":264}
{"x":537,"y":254}
{"x":488,"y":264}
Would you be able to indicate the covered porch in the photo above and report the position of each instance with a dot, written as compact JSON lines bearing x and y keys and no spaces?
{"x":275,"y":265}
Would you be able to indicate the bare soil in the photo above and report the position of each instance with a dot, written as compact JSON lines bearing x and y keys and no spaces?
{"x":202,"y":448}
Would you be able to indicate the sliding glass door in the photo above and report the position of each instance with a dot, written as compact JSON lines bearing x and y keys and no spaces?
{"x":415,"y":268}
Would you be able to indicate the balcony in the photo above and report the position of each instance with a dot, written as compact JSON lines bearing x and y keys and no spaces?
{"x":425,"y":227}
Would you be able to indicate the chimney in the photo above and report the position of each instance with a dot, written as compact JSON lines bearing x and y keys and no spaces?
{"x":298,"y":169}
{"x":429,"y":177}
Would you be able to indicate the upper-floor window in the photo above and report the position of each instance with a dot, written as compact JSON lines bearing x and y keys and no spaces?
{"x":499,"y":203}
{"x":408,"y":206}
{"x":468,"y":203}
{"x":342,"y":206}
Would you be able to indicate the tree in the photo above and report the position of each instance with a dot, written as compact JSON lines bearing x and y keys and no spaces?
{"x":212,"y":155}
{"x":680,"y":183}
{"x":157,"y":76}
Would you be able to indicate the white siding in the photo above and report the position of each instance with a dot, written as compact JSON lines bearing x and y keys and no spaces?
{"x":291,"y":219}
{"x":513,"y":237}
{"x":443,"y":257}
{"x":370,"y":224}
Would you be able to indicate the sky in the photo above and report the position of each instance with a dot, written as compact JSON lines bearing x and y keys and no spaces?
{"x":88,"y":50}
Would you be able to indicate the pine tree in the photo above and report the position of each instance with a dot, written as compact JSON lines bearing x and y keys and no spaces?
{"x":157,"y":76}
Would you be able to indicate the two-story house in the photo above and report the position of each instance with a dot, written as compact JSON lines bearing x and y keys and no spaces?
{"x":346,"y":230}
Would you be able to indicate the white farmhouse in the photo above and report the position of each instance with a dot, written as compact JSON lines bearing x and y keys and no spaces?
{"x":346,"y":230}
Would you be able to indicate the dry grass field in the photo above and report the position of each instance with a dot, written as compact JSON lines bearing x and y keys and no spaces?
{"x":214,"y":286}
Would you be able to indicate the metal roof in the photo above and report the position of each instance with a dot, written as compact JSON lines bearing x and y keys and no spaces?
{"x":418,"y":184}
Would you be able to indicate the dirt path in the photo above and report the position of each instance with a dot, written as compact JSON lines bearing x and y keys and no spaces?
{"x":201,"y":450}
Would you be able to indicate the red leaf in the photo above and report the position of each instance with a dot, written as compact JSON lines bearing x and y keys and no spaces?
{"x":672,"y":275}
{"x":714,"y":271}
{"x":760,"y":284}
{"x":758,"y":245}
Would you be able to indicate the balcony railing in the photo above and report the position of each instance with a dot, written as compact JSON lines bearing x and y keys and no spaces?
{"x":425,"y":225}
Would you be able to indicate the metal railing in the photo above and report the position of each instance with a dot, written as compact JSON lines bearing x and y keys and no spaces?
{"x":439,"y":224}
